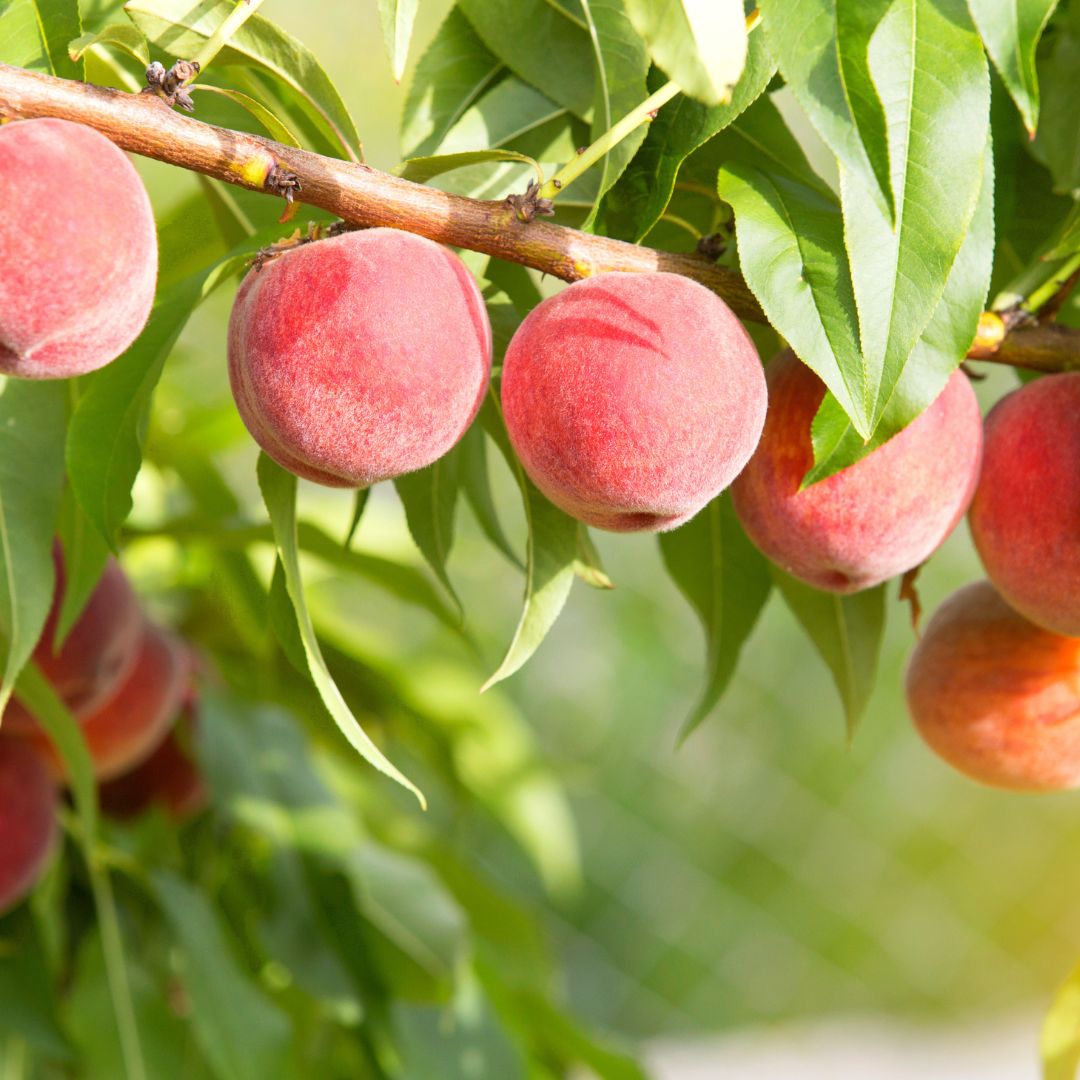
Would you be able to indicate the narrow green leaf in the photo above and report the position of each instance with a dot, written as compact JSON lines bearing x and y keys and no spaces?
{"x":34,"y":34}
{"x":274,"y":127}
{"x":430,"y":499}
{"x":453,"y":73}
{"x":240,"y":1030}
{"x":503,"y":114}
{"x":85,"y":555}
{"x":1010,"y":30}
{"x":32,"y":419}
{"x":588,"y":565}
{"x":422,"y":169}
{"x":1067,"y":240}
{"x":541,"y":42}
{"x":1057,"y":145}
{"x":397,"y":18}
{"x":122,"y":36}
{"x":360,"y":501}
{"x":1060,"y":1044}
{"x":637,"y":202}
{"x":279,"y":493}
{"x":699,"y":44}
{"x":726,"y":581}
{"x":181,"y":29}
{"x":233,"y":225}
{"x":846,"y":631}
{"x":476,"y":483}
{"x":106,"y":432}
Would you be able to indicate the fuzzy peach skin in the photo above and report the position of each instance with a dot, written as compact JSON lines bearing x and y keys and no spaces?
{"x":79,"y":250}
{"x":361,"y":357}
{"x":27,"y":819}
{"x":873,"y":520}
{"x":1025,"y":519}
{"x":97,"y":653}
{"x":997,"y":696}
{"x":632,"y":400}
{"x":129,"y":726}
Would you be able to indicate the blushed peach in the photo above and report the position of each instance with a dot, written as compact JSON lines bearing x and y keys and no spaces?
{"x":27,"y":819}
{"x":359,"y":358}
{"x":79,"y":250}
{"x":632,"y":400}
{"x":997,"y":696}
{"x":873,"y":520}
{"x":1025,"y":519}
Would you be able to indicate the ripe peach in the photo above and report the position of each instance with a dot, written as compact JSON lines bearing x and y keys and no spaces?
{"x":127,"y":728}
{"x":361,"y":357}
{"x":1025,"y":519}
{"x":97,"y":653}
{"x":79,"y":250}
{"x":873,"y":520}
{"x":632,"y":400}
{"x":27,"y":819}
{"x":997,"y":696}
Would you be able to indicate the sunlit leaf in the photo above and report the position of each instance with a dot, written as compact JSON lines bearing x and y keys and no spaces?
{"x":274,"y":127}
{"x":397,"y":18}
{"x":126,"y":38}
{"x":34,"y":34}
{"x":421,"y":170}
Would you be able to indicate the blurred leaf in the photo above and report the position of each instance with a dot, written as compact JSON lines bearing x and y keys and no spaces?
{"x":108,"y":427}
{"x":726,"y":581}
{"x":1010,"y":30}
{"x":1057,"y":145}
{"x":274,"y":127}
{"x":85,"y":555}
{"x":179,"y":29}
{"x":241,"y":1031}
{"x":421,"y":170}
{"x":700,"y":44}
{"x":123,"y":36}
{"x":641,"y":196}
{"x":430,"y":499}
{"x":279,"y":492}
{"x":397,"y":18}
{"x":451,"y":75}
{"x":846,"y":631}
{"x":554,"y":54}
{"x":232,"y":223}
{"x":622,"y":64}
{"x":476,"y":484}
{"x":1061,"y":1032}
{"x":32,"y":419}
{"x":1067,"y":240}
{"x":34,"y":34}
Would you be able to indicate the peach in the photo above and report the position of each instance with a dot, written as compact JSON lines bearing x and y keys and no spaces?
{"x":1025,"y":519}
{"x":27,"y":819}
{"x":997,"y":696}
{"x":127,"y":728}
{"x":358,"y":358}
{"x":632,"y":400}
{"x":97,"y":653}
{"x":873,"y":520}
{"x":79,"y":250}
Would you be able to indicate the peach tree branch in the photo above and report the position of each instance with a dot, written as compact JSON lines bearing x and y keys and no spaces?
{"x":360,"y":195}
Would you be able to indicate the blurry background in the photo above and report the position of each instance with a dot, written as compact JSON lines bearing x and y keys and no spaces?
{"x":766,"y":871}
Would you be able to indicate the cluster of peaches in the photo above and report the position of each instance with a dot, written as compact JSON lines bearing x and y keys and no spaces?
{"x":632,"y":400}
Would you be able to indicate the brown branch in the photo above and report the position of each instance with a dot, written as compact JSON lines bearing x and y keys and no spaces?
{"x":143,"y":124}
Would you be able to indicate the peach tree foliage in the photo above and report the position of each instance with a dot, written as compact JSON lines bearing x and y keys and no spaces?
{"x":923,"y":200}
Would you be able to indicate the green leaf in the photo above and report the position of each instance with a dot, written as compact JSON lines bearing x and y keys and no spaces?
{"x":85,"y":555}
{"x":541,"y":42}
{"x":453,"y":73}
{"x":588,"y":565}
{"x":476,"y":483}
{"x":274,"y":127}
{"x":107,"y":429}
{"x":397,"y":18}
{"x":1067,"y":241}
{"x":430,"y":499}
{"x":240,"y":1030}
{"x":622,"y":65}
{"x":360,"y":501}
{"x":420,"y":170}
{"x":1010,"y":30}
{"x":180,"y":29}
{"x":32,"y":419}
{"x":279,"y":493}
{"x":726,"y":581}
{"x":1058,"y":143}
{"x":846,"y":631}
{"x":1060,"y":1044}
{"x":34,"y":34}
{"x":637,"y":202}
{"x":700,"y":44}
{"x":123,"y":36}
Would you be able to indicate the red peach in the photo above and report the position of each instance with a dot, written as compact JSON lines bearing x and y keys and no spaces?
{"x":997,"y":696}
{"x":876,"y":518}
{"x":27,"y":819}
{"x":361,"y":357}
{"x":79,"y":250}
{"x":1025,"y":519}
{"x":632,"y":400}
{"x":97,"y":653}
